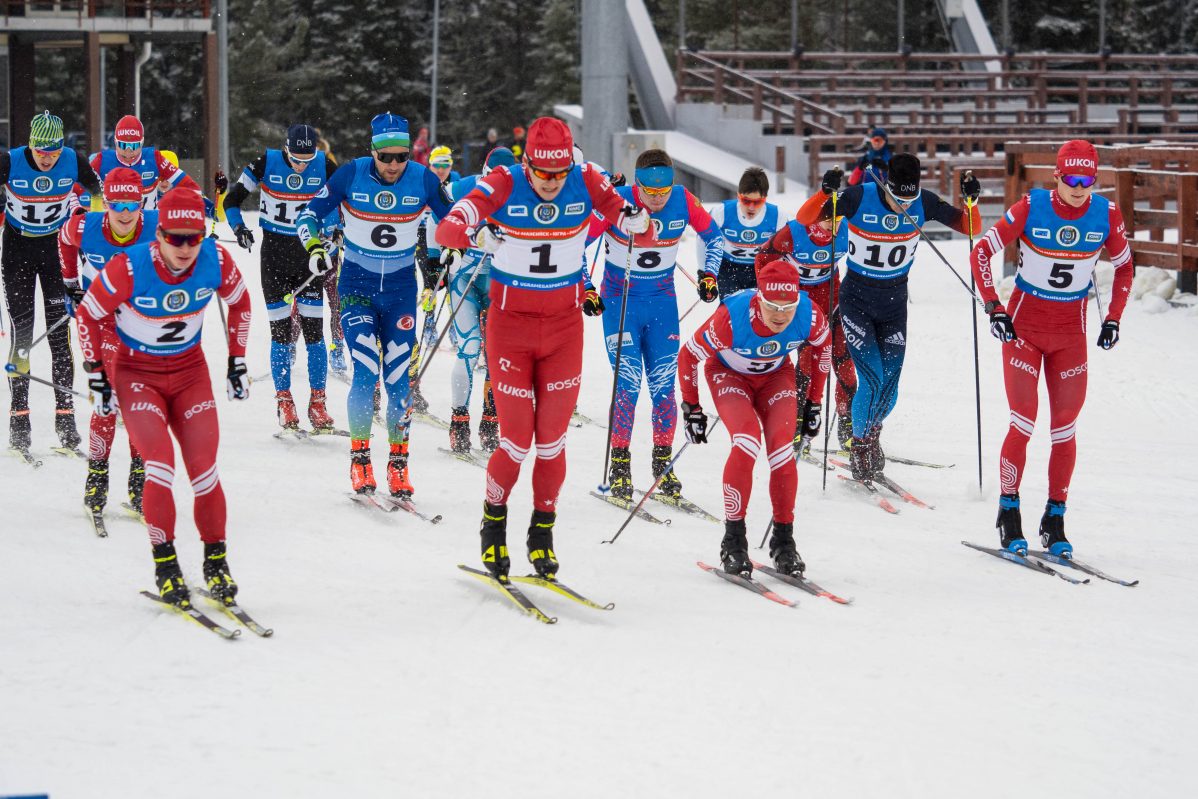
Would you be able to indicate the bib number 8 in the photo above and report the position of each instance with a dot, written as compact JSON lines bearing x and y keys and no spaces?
{"x":649,"y":259}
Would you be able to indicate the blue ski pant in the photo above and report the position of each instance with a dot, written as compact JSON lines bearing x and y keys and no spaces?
{"x":874,"y":321}
{"x":649,"y":353}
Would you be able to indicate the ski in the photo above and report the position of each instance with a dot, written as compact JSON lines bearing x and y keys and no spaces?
{"x":395,"y":503}
{"x":844,"y":453}
{"x":872,"y":491}
{"x":24,"y":455}
{"x":801,"y":583}
{"x":564,"y":590}
{"x":291,"y":434}
{"x":96,"y":519}
{"x":430,"y":419}
{"x":69,"y":452}
{"x":1027,"y":563}
{"x":750,"y":584}
{"x":196,"y":616}
{"x":511,"y":592}
{"x":237,"y":613}
{"x":328,"y":431}
{"x":624,"y":504}
{"x":133,"y":513}
{"x":475,"y":457}
{"x":368,"y":500}
{"x":808,"y":458}
{"x":1081,"y":567}
{"x":681,"y":503}
{"x":884,"y":481}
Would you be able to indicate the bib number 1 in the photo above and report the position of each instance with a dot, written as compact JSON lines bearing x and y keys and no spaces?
{"x":542,"y":265}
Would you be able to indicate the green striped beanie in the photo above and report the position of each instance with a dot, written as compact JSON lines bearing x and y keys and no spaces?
{"x":45,"y":132}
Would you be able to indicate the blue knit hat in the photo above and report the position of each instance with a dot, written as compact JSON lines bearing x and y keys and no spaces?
{"x":389,"y":130}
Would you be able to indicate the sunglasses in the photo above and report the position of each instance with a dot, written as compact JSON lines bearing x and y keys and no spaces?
{"x":183,"y":239}
{"x":1078,"y":181}
{"x":301,"y":157}
{"x":48,"y":150}
{"x":655,"y":191}
{"x":751,"y":202}
{"x":546,"y":175}
{"x":128,"y":145}
{"x":773,"y":306}
{"x":391,"y":158}
{"x":124,"y":205}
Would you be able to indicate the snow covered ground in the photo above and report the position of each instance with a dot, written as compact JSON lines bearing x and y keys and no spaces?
{"x":393,"y":674}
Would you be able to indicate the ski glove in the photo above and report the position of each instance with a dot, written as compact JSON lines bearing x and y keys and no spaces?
{"x":245,"y":237}
{"x":221,"y":181}
{"x":592,"y":303}
{"x":633,"y":221}
{"x":238,"y":378}
{"x":1001,"y":326}
{"x":708,"y":290}
{"x":811,"y":419}
{"x":1109,"y":336}
{"x":99,"y":389}
{"x":695,"y":422}
{"x":451,"y":259}
{"x":488,"y":238}
{"x":831,"y":181}
{"x":618,"y":179}
{"x":971,"y":189}
{"x":74,"y":296}
{"x":319,"y":261}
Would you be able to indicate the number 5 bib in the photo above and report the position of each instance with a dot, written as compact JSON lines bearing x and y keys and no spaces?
{"x":1057,"y":256}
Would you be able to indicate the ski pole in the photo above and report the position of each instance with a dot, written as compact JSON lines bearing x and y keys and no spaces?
{"x":604,"y":486}
{"x":23,"y":353}
{"x":766,"y":534}
{"x":874,"y":176}
{"x":977,"y":371}
{"x":669,"y":468}
{"x":11,"y":368}
{"x":694,"y":305}
{"x":828,"y":385}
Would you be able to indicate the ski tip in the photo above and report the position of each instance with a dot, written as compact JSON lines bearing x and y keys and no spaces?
{"x":435,"y":520}
{"x":603,"y":488}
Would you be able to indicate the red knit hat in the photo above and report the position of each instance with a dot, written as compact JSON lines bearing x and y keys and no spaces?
{"x":550,"y":144}
{"x":1077,"y":157}
{"x":778,"y":282}
{"x":129,"y":129}
{"x":181,"y":209}
{"x":122,"y":183}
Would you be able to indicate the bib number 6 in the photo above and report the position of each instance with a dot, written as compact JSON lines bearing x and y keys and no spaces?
{"x":383,"y":237}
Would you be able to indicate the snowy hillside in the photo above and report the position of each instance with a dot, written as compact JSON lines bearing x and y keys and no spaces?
{"x":393,"y":674}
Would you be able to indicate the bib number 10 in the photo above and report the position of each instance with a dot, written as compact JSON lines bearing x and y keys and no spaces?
{"x":894,"y":258}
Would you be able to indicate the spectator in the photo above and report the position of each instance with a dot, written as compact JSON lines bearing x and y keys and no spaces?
{"x":420,"y":147}
{"x":517,"y":145}
{"x":877,"y":154}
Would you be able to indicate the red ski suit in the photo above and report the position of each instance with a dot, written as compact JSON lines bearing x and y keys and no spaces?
{"x":1051,"y":339}
{"x":164,"y":394}
{"x":749,"y":403}
{"x":534,"y":336}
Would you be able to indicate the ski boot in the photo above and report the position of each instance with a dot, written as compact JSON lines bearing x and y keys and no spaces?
{"x":620,"y":476}
{"x":1010,"y":525}
{"x":137,"y":482}
{"x":168,"y":576}
{"x":291,"y":353}
{"x":397,"y":472}
{"x":95,"y":489}
{"x":361,"y":471}
{"x":20,"y":436}
{"x":783,"y":550}
{"x":861,"y":459}
{"x":540,"y":543}
{"x":493,"y":532}
{"x":64,"y":425}
{"x":844,"y":431}
{"x":670,"y":486}
{"x":876,"y":455}
{"x":419,"y":403}
{"x":459,"y":429}
{"x":216,"y":574}
{"x":734,"y":549}
{"x":488,"y":431}
{"x":337,"y":358}
{"x":288,"y":417}
{"x":318,"y":414}
{"x":1052,"y":530}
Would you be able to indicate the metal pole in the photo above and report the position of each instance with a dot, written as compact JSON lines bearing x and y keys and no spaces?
{"x":432,"y":115}
{"x":681,"y":24}
{"x":794,"y":26}
{"x":1101,"y":26}
{"x":902,"y":24}
{"x":103,"y":104}
{"x":1006,"y":24}
{"x":222,"y":84}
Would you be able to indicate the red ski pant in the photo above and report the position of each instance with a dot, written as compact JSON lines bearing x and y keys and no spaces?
{"x":1062,"y":359}
{"x":846,"y":375}
{"x":747,"y":405}
{"x":161,"y":395}
{"x":103,"y":428}
{"x":536,"y":369}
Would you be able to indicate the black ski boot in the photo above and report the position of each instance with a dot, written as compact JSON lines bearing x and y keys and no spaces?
{"x":620,"y":476}
{"x":459,"y":429}
{"x":419,"y":403}
{"x":877,"y":458}
{"x":169,"y":577}
{"x":137,"y":482}
{"x":670,"y":486}
{"x":844,"y":430}
{"x":64,"y":425}
{"x":734,"y":549}
{"x":783,"y":550}
{"x":20,"y":436}
{"x":1052,"y":530}
{"x":861,"y":459}
{"x":488,"y":425}
{"x":216,"y":573}
{"x":95,"y":490}
{"x":493,"y":532}
{"x":540,"y":543}
{"x":1010,"y":525}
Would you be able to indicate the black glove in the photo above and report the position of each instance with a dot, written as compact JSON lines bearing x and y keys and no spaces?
{"x":1109,"y":336}
{"x":77,"y":210}
{"x":618,"y":179}
{"x":811,"y":419}
{"x":708,"y":288}
{"x":1001,"y":326}
{"x":238,"y":378}
{"x":99,"y":389}
{"x":74,"y":296}
{"x":592,"y":303}
{"x":695,"y":422}
{"x":831,"y":181}
{"x":431,"y":271}
{"x":245,"y":237}
{"x":220,"y":181}
{"x":971,"y":189}
{"x":878,"y":165}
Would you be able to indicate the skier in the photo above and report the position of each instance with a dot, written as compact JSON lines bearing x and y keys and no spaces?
{"x":440,"y":161}
{"x":287,"y":179}
{"x":650,"y":327}
{"x":745,"y":224}
{"x":873,"y":296}
{"x":159,"y":292}
{"x":752,"y":383}
{"x":96,"y":237}
{"x":382,"y":197}
{"x":533,"y":220}
{"x":39,"y":197}
{"x":877,"y":155}
{"x":1061,"y":232}
{"x":809,"y":248}
{"x":156,"y":172}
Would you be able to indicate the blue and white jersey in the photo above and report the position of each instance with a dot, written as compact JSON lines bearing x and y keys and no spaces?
{"x":147,"y":168}
{"x":457,"y":189}
{"x":35,"y":202}
{"x":750,"y":353}
{"x":97,"y":250}
{"x":283,"y":193}
{"x":814,"y":261}
{"x":1057,"y":256}
{"x":163,"y":318}
{"x":744,"y":237}
{"x":882,"y":242}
